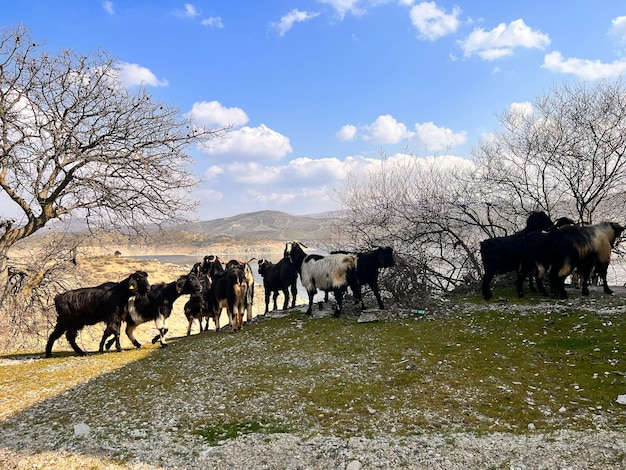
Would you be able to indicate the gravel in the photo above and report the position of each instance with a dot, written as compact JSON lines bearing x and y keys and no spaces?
{"x":560,"y":450}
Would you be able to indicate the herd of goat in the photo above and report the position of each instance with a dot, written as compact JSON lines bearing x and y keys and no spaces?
{"x":541,"y":249}
{"x":556,"y":250}
{"x":213,"y":285}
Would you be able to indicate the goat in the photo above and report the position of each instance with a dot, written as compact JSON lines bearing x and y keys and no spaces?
{"x":155,"y":305}
{"x":90,"y":305}
{"x":194,"y":310}
{"x":279,"y":277}
{"x":247,"y":270}
{"x":368,"y":264}
{"x":211,"y":265}
{"x":583,"y":248}
{"x":502,"y":255}
{"x":333,"y":272}
{"x":228,"y":290}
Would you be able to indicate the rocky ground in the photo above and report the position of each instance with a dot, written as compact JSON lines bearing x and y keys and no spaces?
{"x":29,"y":441}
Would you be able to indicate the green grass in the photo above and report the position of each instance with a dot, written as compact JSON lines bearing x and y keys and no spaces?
{"x":216,"y":433}
{"x":471,"y":366}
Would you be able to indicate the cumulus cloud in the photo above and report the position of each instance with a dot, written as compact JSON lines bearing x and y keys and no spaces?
{"x":433,"y":22}
{"x":388,"y":130}
{"x":385,"y":130}
{"x":347,"y":132}
{"x":108,"y":7}
{"x":523,"y":108}
{"x":503,"y":40}
{"x":250,"y":143}
{"x":213,"y":22}
{"x":243,"y":142}
{"x":212,"y":113}
{"x":291,"y":18}
{"x":297,"y":173}
{"x":298,"y":186}
{"x":436,"y":138}
{"x":618,"y":28}
{"x":583,"y":68}
{"x":134,"y":74}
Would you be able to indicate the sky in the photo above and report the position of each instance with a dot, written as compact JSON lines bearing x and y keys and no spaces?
{"x":319,"y":89}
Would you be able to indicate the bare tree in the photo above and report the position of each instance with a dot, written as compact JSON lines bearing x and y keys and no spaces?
{"x":565,"y":153}
{"x":426,"y":208}
{"x":76,"y":143}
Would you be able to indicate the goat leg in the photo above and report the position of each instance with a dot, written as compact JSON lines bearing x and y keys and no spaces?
{"x":71,"y":338}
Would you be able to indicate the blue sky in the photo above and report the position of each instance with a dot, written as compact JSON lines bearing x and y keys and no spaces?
{"x":316,"y":89}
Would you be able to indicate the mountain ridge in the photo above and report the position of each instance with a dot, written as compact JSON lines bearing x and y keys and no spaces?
{"x":269,"y":224}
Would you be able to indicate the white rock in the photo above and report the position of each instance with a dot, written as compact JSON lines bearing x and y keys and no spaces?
{"x":621,"y":399}
{"x":531,"y":426}
{"x":81,"y":429}
{"x":354,"y":465}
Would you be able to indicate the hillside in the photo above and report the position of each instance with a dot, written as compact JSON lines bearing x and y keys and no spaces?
{"x":256,"y":233}
{"x":273,"y":225}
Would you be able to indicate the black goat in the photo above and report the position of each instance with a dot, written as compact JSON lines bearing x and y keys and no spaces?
{"x":368,"y":264}
{"x":199,"y":306}
{"x":584,"y":248}
{"x":247,"y":270}
{"x":502,"y":255}
{"x":211,"y":265}
{"x":279,"y":277}
{"x":228,"y":290}
{"x":194,"y":310}
{"x":90,"y":305}
{"x":155,"y":305}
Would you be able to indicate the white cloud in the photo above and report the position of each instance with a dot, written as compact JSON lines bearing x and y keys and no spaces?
{"x":524,"y":108}
{"x":240,"y":142}
{"x":291,"y":18}
{"x":212,"y":113}
{"x":436,"y":138}
{"x":342,"y":7}
{"x":213,"y":22}
{"x":388,"y":130}
{"x":189,"y":11}
{"x":347,"y":132}
{"x":433,"y":22}
{"x":134,"y":74}
{"x":293,"y":174}
{"x":108,"y":7}
{"x":503,"y":40}
{"x":618,"y":28}
{"x":385,"y":130}
{"x":210,"y":195}
{"x":300,"y":186}
{"x":250,"y":143}
{"x":583,"y":68}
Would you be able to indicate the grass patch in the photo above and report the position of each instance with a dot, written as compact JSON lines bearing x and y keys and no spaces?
{"x":216,"y":433}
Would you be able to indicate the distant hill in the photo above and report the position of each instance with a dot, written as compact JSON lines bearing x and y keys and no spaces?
{"x":272,"y":225}
{"x":256,"y":233}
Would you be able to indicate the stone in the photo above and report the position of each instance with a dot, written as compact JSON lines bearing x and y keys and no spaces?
{"x":81,"y":429}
